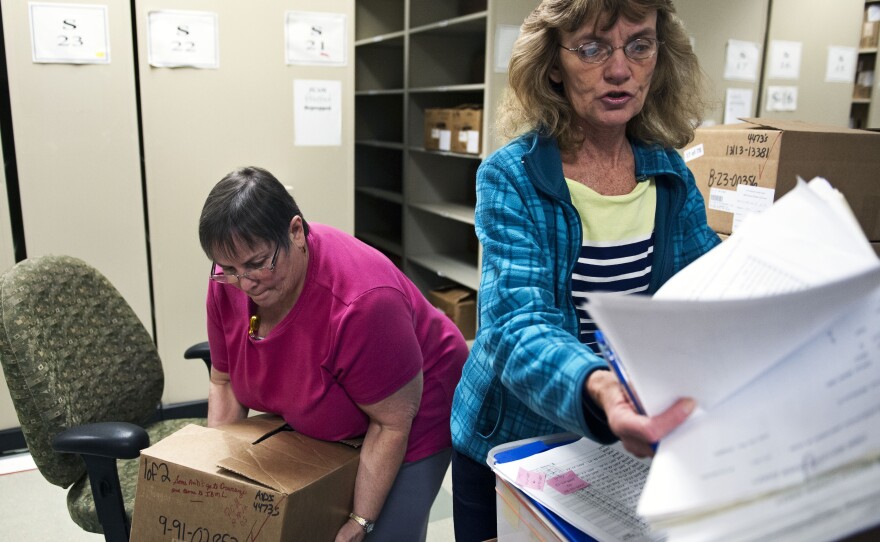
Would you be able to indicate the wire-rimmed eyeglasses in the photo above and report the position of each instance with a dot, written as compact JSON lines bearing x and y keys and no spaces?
{"x":596,"y":52}
{"x":254,"y":274}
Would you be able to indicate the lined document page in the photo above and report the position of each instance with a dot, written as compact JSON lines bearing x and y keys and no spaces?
{"x":595,"y":488}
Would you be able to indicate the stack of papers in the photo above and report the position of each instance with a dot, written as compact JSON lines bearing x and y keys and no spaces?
{"x":776,"y":334}
{"x":592,"y":487}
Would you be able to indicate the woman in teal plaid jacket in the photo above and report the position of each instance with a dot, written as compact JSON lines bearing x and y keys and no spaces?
{"x":609,"y":121}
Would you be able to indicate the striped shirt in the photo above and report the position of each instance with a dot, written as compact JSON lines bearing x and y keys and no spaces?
{"x":618,"y":246}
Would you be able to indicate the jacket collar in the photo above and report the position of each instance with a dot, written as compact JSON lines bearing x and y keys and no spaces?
{"x":543,"y":162}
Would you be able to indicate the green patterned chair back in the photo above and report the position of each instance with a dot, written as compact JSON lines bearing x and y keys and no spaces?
{"x":73,"y":352}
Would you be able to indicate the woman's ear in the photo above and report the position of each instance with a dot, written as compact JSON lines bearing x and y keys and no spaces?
{"x":296,"y":228}
{"x":555,"y":73}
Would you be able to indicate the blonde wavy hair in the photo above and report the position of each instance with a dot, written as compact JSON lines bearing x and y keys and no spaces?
{"x":676,"y":101}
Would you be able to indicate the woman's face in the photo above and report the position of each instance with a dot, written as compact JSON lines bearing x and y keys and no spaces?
{"x":606,"y":96}
{"x":275,"y":288}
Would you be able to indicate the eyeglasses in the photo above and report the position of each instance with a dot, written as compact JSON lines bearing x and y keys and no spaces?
{"x":597,"y":52}
{"x":254,"y":274}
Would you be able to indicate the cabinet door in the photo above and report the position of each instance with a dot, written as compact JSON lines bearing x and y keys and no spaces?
{"x":76,"y":143}
{"x":199,"y":124}
{"x":745,"y":20}
{"x":823,"y":26}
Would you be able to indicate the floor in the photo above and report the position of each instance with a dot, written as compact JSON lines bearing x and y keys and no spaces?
{"x":33,"y":510}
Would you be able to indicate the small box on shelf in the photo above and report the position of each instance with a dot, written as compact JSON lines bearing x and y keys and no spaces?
{"x":871,"y":27}
{"x":454,"y":129}
{"x":438,"y":129}
{"x":864,"y":82}
{"x":467,"y":121}
{"x":460,"y":305}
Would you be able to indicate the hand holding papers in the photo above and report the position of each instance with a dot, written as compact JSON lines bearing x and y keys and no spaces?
{"x":785,"y":275}
{"x":776,"y":334}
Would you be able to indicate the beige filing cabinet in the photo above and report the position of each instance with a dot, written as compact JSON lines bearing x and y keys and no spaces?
{"x":744,"y":20}
{"x":816,"y":25}
{"x":76,"y":141}
{"x":199,"y":124}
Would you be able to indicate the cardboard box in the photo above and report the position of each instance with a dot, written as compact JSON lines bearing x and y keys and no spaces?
{"x":864,"y":80}
{"x":870,"y":33}
{"x":438,"y":129}
{"x":870,"y":26}
{"x":743,"y":168}
{"x":467,"y":123}
{"x":246,"y":481}
{"x":460,"y":305}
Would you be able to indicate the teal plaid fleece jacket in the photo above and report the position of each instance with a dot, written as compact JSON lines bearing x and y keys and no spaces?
{"x":526,"y":371}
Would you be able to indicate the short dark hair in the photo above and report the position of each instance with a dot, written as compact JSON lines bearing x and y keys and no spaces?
{"x":248,"y":205}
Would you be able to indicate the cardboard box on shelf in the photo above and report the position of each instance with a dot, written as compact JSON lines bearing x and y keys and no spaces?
{"x":467,"y":126}
{"x":460,"y":305}
{"x":438,"y":129}
{"x":864,"y":80}
{"x":870,"y":33}
{"x":742,"y":168}
{"x":870,"y":27}
{"x":254,"y":479}
{"x":861,"y":92}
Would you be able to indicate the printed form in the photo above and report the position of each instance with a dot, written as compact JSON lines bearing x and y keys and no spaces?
{"x":595,"y":488}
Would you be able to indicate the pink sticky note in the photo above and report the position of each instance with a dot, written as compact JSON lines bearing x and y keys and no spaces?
{"x":567,"y":483}
{"x":530,"y":479}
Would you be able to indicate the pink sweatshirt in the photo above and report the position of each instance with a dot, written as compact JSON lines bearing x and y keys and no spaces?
{"x":358,"y":332}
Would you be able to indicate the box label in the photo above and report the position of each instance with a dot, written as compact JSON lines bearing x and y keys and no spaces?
{"x":751,"y":200}
{"x":693,"y":153}
{"x":722,"y":200}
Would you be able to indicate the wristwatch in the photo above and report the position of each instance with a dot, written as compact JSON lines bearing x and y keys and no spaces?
{"x":363,"y":522}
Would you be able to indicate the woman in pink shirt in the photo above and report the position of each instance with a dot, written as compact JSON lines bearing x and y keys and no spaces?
{"x":309,"y":323}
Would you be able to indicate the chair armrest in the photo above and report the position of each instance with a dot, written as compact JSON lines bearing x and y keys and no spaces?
{"x":199,"y":351}
{"x":118,"y":440}
{"x":100,"y":445}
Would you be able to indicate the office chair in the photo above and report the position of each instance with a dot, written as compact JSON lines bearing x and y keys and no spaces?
{"x":85,"y":379}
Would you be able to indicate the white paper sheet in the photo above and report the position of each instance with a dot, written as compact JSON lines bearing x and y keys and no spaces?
{"x":817,"y":410}
{"x":841,"y":67}
{"x":69,"y":33}
{"x":785,"y":59}
{"x":737,"y":104}
{"x":829,"y":507}
{"x":317,"y":111}
{"x":315,"y":38}
{"x":183,"y":39}
{"x":743,"y":59}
